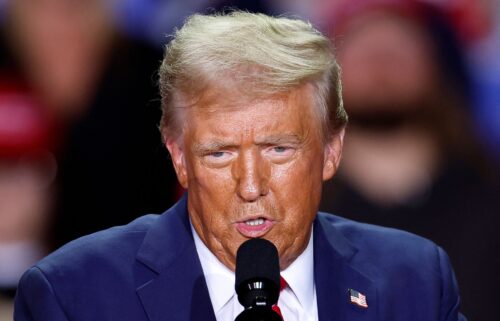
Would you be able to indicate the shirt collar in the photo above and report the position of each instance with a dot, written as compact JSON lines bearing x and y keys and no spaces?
{"x":300,"y":276}
{"x":220,"y":279}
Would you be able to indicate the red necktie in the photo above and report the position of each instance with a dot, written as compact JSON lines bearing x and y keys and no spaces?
{"x":276,"y":308}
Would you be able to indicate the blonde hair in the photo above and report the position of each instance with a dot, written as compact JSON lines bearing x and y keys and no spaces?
{"x":264,"y":55}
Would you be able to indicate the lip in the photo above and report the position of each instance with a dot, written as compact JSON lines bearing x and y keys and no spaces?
{"x":250,"y":231}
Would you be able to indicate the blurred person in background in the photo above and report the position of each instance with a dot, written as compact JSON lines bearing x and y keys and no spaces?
{"x":100,"y":87}
{"x":411,"y":160}
{"x":27,"y":171}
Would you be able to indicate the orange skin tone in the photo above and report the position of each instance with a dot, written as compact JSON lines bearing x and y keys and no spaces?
{"x":261,"y":158}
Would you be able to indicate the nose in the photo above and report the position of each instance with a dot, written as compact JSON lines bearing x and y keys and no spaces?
{"x":251,"y":174}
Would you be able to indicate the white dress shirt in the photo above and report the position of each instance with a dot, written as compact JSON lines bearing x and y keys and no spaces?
{"x":297,"y":301}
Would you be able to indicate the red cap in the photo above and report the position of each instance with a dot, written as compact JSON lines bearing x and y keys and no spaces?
{"x":25,"y":128}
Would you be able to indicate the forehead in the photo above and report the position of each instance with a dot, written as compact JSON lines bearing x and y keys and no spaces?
{"x":228,"y":116}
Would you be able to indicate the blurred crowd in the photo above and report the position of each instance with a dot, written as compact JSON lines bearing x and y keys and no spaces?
{"x":79,"y":109}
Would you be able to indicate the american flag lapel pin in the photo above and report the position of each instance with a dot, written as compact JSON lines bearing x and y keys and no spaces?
{"x":358,"y":298}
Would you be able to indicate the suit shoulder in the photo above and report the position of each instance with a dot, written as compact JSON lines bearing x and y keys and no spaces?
{"x":115,"y":245}
{"x":383,"y":244}
{"x":83,"y":273}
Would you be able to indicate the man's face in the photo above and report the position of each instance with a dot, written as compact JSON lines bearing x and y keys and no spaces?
{"x":254,"y":169}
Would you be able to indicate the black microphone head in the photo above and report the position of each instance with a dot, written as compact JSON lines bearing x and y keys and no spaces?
{"x":257,"y":272}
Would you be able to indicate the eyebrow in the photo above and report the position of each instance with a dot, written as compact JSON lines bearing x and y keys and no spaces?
{"x":203,"y":148}
{"x":279,"y":139}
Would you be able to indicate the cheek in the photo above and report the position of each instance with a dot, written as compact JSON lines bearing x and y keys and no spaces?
{"x":300,"y":182}
{"x":299,"y":216}
{"x":210,"y":191}
{"x":210,"y":183}
{"x":298,"y":188}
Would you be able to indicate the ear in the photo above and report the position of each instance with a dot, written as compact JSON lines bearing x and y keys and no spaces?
{"x":176,"y":149}
{"x":333,"y":153}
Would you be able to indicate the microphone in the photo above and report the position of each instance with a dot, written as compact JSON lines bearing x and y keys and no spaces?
{"x":257,"y":280}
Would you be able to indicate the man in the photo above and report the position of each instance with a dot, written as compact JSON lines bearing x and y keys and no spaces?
{"x":253,"y":120}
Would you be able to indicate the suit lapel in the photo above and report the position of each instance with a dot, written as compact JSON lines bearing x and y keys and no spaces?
{"x":336,"y":272}
{"x":169,"y":277}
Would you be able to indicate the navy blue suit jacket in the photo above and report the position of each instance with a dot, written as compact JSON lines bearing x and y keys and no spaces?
{"x":149,"y":270}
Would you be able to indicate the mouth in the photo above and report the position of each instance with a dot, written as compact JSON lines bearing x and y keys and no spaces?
{"x":254,"y":227}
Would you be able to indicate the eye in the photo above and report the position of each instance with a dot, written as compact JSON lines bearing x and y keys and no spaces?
{"x":280,"y":149}
{"x":217,"y":154}
{"x":280,"y":153}
{"x":217,"y":158}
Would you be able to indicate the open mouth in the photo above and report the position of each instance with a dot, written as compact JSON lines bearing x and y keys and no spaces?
{"x":255,"y":222}
{"x":255,"y":227}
